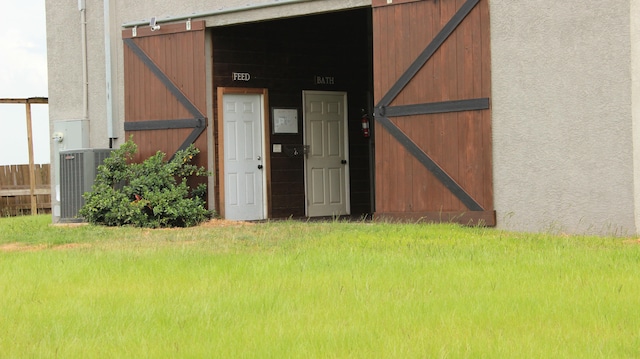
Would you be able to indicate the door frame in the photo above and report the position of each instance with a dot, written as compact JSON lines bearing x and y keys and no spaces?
{"x":265,"y":125}
{"x":347,"y":179}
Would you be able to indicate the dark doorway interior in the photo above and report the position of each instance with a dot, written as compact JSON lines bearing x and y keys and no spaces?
{"x":286,"y":57}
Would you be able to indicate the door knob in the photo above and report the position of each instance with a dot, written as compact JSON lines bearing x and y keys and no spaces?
{"x":344,"y":162}
{"x":259,"y":167}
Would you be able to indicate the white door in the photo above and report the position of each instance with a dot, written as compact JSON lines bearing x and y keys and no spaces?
{"x":243,"y":157}
{"x":327,"y":163}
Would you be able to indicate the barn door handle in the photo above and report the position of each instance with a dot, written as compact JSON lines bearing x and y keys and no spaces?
{"x":259,"y":167}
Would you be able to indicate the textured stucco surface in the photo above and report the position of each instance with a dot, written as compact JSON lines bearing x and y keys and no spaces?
{"x":635,"y":93}
{"x":64,"y":61}
{"x":143,"y":10}
{"x":65,"y":66}
{"x":562,"y":125}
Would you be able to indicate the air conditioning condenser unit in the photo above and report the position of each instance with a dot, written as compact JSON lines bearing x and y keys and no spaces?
{"x":78,"y":169}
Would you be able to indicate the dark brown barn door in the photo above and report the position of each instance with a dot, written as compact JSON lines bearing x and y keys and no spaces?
{"x":165,"y":89}
{"x":433,"y":122}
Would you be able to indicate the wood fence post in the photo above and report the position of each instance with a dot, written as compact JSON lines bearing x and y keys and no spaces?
{"x":32,"y":172}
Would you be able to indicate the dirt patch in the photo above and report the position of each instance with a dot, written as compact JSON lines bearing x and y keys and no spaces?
{"x":19,"y":247}
{"x":71,"y":225}
{"x":632,"y":241}
{"x":225,"y":223}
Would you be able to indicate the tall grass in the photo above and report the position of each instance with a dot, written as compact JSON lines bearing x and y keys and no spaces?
{"x":291,"y":289}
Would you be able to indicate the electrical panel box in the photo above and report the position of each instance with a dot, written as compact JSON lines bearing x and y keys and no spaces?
{"x":71,"y":134}
{"x":78,"y":169}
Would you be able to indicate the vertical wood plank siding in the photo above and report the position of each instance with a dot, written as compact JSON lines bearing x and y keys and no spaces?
{"x":180,"y":55}
{"x":458,"y":142}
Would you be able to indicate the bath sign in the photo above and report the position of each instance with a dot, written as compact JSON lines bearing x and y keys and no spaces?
{"x":324,"y":80}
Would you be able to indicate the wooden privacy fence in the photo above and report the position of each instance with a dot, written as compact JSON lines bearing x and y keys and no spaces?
{"x":15,"y":191}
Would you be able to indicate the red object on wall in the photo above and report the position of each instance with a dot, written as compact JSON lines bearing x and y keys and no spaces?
{"x":365,"y":126}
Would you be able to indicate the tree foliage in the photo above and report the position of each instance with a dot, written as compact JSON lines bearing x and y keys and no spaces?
{"x":152,"y":194}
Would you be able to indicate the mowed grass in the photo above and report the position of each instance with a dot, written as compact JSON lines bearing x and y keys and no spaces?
{"x":317,"y":289}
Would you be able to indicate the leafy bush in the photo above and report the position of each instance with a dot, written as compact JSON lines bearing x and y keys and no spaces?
{"x":152,"y":194}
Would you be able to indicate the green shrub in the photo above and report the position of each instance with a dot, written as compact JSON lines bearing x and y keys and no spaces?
{"x":152,"y":194}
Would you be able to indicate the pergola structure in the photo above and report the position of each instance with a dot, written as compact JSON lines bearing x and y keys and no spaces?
{"x":32,"y":178}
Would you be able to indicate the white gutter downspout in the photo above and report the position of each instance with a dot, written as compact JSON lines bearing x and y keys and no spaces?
{"x":109,"y":71}
{"x":82,"y":6}
{"x":217,"y":12}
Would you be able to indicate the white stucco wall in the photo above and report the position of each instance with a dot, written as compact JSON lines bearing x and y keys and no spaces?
{"x":562,"y":125}
{"x":65,"y":66}
{"x":143,"y":10}
{"x":635,"y":95}
{"x":64,"y":61}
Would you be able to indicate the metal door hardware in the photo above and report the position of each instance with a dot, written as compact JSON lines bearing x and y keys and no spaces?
{"x":295,"y":150}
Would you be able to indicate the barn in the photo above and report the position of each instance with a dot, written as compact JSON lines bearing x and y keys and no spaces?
{"x":513,"y":114}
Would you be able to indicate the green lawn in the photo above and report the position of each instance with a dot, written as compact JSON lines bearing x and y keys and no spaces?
{"x":317,"y":289}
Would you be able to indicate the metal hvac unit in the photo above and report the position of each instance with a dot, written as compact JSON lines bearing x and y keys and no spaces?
{"x":78,"y":170}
